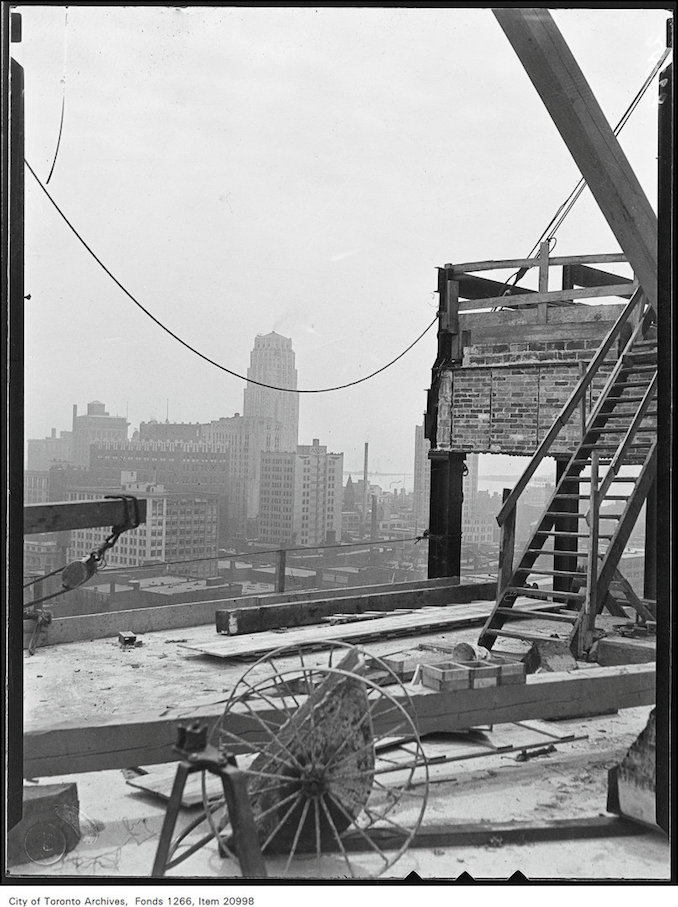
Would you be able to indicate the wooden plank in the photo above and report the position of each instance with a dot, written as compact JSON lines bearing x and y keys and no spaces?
{"x":558,"y":79}
{"x":198,"y":613}
{"x":553,"y":296}
{"x":621,"y":651}
{"x":491,"y":833}
{"x":247,"y":644}
{"x":316,"y":608}
{"x":147,"y":739}
{"x":138,"y":620}
{"x":582,"y":276}
{"x":535,"y":333}
{"x":481,"y":287}
{"x":511,"y":263}
{"x":64,"y":515}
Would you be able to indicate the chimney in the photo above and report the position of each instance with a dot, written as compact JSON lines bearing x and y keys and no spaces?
{"x":316,"y":442}
{"x":54,"y":432}
{"x":135,"y":585}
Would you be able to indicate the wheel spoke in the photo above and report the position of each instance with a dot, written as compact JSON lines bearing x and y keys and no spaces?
{"x":263,"y":745}
{"x":280,"y":824}
{"x":258,"y":691}
{"x":318,"y":849}
{"x":275,"y":739}
{"x":304,"y":813}
{"x":360,"y":831}
{"x":384,"y":818}
{"x":337,"y":837}
{"x":366,"y":716}
{"x":279,"y":675}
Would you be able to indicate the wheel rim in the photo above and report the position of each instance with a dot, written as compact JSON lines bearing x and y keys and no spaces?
{"x":326,"y":785}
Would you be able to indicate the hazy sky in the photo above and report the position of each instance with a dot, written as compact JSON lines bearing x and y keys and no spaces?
{"x":297,"y":170}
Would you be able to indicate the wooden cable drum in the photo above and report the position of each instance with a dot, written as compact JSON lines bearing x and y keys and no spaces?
{"x":329,"y":746}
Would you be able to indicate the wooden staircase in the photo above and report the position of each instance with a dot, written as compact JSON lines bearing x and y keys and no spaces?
{"x":589,"y":519}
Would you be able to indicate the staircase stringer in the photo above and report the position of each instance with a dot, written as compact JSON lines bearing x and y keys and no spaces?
{"x":625,"y":526}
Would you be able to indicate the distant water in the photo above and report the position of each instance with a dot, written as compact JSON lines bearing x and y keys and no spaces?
{"x":495,"y":486}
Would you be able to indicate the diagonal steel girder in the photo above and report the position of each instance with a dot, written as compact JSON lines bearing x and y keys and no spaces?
{"x":556,"y":75}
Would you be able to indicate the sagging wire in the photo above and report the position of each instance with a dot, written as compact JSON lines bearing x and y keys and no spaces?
{"x":63,"y":101}
{"x":548,"y":233}
{"x":245,"y":554}
{"x":192,"y":349}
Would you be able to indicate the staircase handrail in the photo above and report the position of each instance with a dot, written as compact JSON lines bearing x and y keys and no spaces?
{"x":627,"y":440}
{"x":569,"y":407}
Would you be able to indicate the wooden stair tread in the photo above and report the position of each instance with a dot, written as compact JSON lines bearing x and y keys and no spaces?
{"x":544,"y":594}
{"x":541,"y":572}
{"x":538,"y":615}
{"x":586,"y":497}
{"x":570,"y":535}
{"x":527,"y":636}
{"x":578,"y":516}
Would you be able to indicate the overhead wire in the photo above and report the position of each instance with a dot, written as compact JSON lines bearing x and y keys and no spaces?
{"x":564,"y":209}
{"x":63,"y":101}
{"x":192,"y":349}
{"x":244,"y":554}
{"x":197,"y":560}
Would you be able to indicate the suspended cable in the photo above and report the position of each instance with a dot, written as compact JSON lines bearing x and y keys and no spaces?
{"x":39,"y":579}
{"x":244,"y":554}
{"x":63,"y":101}
{"x":564,"y":209}
{"x":192,"y":349}
{"x":562,"y":212}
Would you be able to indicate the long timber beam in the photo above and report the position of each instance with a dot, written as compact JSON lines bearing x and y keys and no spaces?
{"x":560,"y":83}
{"x":148,"y":739}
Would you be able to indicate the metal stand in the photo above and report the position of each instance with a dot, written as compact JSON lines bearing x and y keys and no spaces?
{"x":200,"y":756}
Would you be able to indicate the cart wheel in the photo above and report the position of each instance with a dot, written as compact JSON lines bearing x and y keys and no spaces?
{"x":330,"y":750}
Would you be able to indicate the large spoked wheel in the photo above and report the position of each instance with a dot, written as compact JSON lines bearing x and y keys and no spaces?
{"x":329,"y":747}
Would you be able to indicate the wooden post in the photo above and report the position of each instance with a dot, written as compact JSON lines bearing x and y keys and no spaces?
{"x":543,"y":307}
{"x":561,"y":84}
{"x":507,"y":542}
{"x":665,"y":359}
{"x":449,"y":338}
{"x":280,"y":571}
{"x":650,"y":569}
{"x":444,"y":547}
{"x":13,"y":347}
{"x":590,"y":605}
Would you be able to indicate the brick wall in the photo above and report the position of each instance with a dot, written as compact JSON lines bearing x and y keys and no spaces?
{"x":515,"y":377}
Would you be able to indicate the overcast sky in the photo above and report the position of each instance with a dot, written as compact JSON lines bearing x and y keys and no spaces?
{"x":297,"y":170}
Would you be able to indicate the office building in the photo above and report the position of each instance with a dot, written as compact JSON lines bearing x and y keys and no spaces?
{"x":96,"y":425}
{"x":301,"y":496}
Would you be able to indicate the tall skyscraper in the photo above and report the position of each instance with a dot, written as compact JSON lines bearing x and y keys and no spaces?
{"x":272,"y":362}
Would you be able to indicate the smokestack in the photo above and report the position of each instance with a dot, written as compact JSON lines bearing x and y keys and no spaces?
{"x":367,"y":447}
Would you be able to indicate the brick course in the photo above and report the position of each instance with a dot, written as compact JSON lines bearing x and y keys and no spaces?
{"x":508,"y":392}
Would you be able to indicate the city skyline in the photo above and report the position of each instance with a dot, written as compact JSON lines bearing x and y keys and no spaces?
{"x":320,"y":188}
